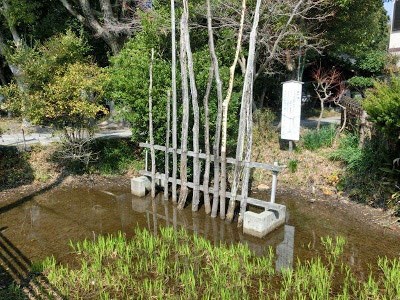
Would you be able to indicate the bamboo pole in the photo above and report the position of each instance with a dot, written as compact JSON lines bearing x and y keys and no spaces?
{"x":174,"y":106}
{"x":217,"y":137}
{"x":153,"y":156}
{"x":166,"y":159}
{"x":245,"y":123}
{"x":225,"y":105}
{"x":185,"y":116}
{"x":206,"y":177}
{"x":196,"y":113}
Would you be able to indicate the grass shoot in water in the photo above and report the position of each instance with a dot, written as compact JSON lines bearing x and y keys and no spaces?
{"x":177,"y":265}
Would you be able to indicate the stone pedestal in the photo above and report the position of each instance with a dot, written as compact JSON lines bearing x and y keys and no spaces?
{"x":140,"y":185}
{"x":260,"y":224}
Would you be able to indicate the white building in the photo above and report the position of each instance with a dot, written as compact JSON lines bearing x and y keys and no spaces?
{"x":394,"y":43}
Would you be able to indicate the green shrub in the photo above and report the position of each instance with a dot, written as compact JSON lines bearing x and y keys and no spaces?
{"x":292,"y":165}
{"x":115,"y":156}
{"x":382,"y":104}
{"x":14,"y":167}
{"x":365,"y":179}
{"x":315,"y":139}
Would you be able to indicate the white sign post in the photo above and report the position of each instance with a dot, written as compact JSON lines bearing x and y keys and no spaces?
{"x":291,"y":111}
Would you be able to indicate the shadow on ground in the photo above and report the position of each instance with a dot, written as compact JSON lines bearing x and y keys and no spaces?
{"x":15,"y":169}
{"x":17,"y":281}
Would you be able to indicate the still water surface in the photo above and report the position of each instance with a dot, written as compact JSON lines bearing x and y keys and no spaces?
{"x":45,"y":224}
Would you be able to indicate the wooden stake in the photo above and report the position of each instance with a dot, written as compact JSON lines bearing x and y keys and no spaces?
{"x":166,"y":160}
{"x":245,"y":123}
{"x":174,"y":106}
{"x":206,"y":180}
{"x":185,"y":116}
{"x":217,"y":137}
{"x":225,"y":114}
{"x":153,"y":156}
{"x":196,"y":113}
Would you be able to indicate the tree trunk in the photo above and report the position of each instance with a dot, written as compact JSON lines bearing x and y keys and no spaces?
{"x":206,"y":180}
{"x":185,"y":115}
{"x":174,"y":106}
{"x":88,"y":19}
{"x":225,"y":114}
{"x":153,"y":155}
{"x":320,"y":114}
{"x":245,"y":123}
{"x":217,"y":136}
{"x":196,"y":114}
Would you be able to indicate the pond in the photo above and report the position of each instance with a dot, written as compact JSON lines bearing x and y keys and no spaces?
{"x":45,"y":224}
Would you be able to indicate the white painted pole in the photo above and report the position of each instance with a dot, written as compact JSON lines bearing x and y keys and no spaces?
{"x":146,"y":159}
{"x":274,"y":183}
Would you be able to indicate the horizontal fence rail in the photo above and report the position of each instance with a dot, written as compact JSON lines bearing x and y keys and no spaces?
{"x":275,"y":169}
{"x":229,"y":160}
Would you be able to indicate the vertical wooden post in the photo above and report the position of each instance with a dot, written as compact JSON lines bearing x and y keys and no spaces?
{"x":225,"y":105}
{"x":146,"y":158}
{"x":246,"y":173}
{"x":206,"y":180}
{"x":153,"y":155}
{"x":363,"y":125}
{"x":166,"y":159}
{"x":218,"y":122}
{"x":274,"y":184}
{"x":246,"y":113}
{"x":195,"y":106}
{"x":174,"y":106}
{"x":185,"y":115}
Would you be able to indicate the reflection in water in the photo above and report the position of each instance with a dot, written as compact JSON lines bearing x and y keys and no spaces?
{"x":221,"y":231}
{"x":43,"y":226}
{"x":284,"y":251}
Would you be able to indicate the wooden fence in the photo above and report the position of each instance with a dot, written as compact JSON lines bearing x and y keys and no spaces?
{"x":166,"y":179}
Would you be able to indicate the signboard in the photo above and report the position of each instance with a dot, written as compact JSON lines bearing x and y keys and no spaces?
{"x":291,"y":110}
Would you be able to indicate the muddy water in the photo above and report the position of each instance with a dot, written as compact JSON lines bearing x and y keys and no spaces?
{"x":44,"y":225}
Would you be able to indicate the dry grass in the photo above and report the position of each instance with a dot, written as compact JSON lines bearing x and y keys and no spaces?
{"x":315,"y":172}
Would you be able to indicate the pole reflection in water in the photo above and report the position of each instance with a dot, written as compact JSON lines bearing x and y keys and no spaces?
{"x":284,"y":251}
{"x":219,"y":231}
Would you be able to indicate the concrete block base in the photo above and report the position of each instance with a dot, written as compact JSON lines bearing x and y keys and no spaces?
{"x":140,"y":185}
{"x":260,"y":224}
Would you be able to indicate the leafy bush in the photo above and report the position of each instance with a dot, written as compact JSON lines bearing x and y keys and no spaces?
{"x":315,"y":139}
{"x":115,"y":156}
{"x":364,"y":178}
{"x":382,"y":104}
{"x":15,"y":169}
{"x":292,"y":165}
{"x":72,"y":99}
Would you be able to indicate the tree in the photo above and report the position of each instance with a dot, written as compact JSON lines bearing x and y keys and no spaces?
{"x":25,"y":20}
{"x":328,"y":86}
{"x":357,"y":36}
{"x":113,"y":23}
{"x":284,"y":26}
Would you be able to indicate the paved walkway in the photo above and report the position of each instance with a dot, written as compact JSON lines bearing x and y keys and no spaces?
{"x":45,"y":136}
